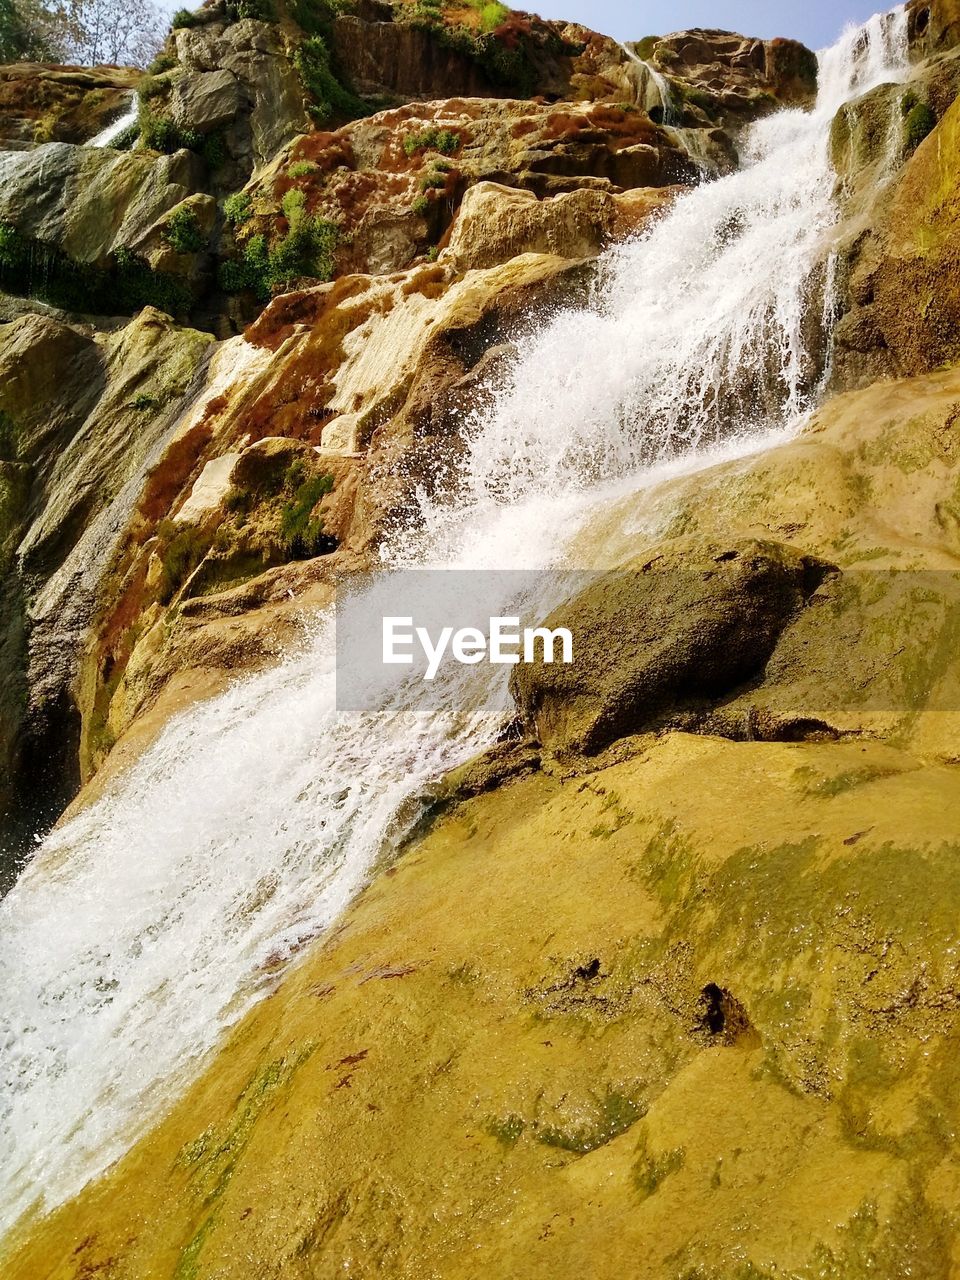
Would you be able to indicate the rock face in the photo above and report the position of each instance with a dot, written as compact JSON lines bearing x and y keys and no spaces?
{"x":757,"y":931}
{"x":87,"y":203}
{"x":74,"y":453}
{"x":726,"y":76}
{"x":692,"y":623}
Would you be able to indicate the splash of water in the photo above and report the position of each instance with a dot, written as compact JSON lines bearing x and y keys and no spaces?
{"x":151,"y":921}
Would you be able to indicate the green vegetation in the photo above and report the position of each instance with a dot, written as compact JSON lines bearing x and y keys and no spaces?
{"x":918,"y":122}
{"x":159,"y":132}
{"x":185,"y":18}
{"x":183,"y":550}
{"x":331,"y":100}
{"x":435,"y":180}
{"x":162,"y":62}
{"x":649,"y":1172}
{"x":183,"y":232}
{"x":493,"y":15}
{"x":507,"y":1131}
{"x":302,"y":532}
{"x":143,"y":402}
{"x":35,"y":269}
{"x":305,"y":251}
{"x":151,"y":86}
{"x":8,"y":438}
{"x":261,"y":10}
{"x":421,"y":206}
{"x":237,"y":208}
{"x":302,"y":169}
{"x":443,"y":140}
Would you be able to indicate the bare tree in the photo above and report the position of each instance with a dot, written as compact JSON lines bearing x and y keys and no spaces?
{"x":114,"y":31}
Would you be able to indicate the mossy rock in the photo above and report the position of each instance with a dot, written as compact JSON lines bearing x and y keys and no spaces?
{"x":683,"y":625}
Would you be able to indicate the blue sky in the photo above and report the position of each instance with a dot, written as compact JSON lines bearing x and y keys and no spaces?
{"x":816,"y":22}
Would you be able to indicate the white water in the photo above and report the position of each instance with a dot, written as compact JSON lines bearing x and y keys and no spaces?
{"x":150,"y":922}
{"x":108,"y":136}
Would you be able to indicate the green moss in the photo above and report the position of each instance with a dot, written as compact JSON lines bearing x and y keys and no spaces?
{"x":32,"y":268}
{"x":330,"y":99}
{"x":616,"y":1114}
{"x":443,"y":140}
{"x":212,"y":1158}
{"x":302,"y":169}
{"x":143,"y":403}
{"x":301,"y":531}
{"x":8,"y":437}
{"x":421,"y":206}
{"x":649,"y":1172}
{"x":182,"y":232}
{"x":919,"y":121}
{"x":185,"y":18}
{"x":184,"y":549}
{"x":507,"y":1131}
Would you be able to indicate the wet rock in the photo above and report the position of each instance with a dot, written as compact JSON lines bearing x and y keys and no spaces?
{"x":902,"y":308}
{"x":685,"y":624}
{"x":80,"y":441}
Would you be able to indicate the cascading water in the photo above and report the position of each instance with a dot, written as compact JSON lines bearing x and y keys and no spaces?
{"x":660,"y":85}
{"x":151,"y":921}
{"x":112,"y":132}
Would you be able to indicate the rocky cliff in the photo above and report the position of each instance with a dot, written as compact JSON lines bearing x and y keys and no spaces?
{"x":700,"y":1021}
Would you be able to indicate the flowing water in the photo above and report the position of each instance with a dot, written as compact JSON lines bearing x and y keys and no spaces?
{"x":109,"y":135}
{"x":654,"y":80}
{"x":147,"y":924}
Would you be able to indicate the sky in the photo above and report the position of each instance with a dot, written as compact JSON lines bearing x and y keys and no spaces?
{"x":816,"y":22}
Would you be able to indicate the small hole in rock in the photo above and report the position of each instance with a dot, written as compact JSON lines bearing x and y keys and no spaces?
{"x":587,"y":972}
{"x":722,"y":1017}
{"x":922,"y":21}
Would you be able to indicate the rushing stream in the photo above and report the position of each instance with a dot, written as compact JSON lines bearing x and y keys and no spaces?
{"x":151,"y":921}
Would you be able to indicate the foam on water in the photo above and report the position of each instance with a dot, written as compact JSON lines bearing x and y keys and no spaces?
{"x":150,"y":922}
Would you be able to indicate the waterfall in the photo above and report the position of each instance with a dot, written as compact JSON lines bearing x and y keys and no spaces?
{"x":109,"y":135}
{"x":661,"y":86}
{"x":151,"y":921}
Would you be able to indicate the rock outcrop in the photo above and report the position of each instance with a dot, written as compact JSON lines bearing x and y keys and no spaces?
{"x":693,"y":623}
{"x":75,"y":448}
